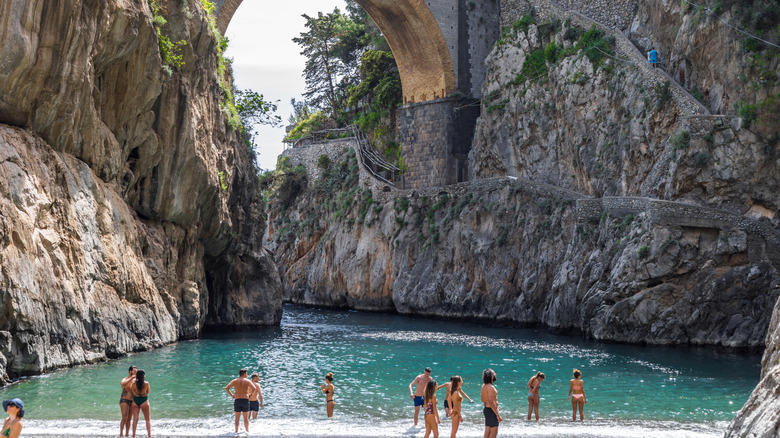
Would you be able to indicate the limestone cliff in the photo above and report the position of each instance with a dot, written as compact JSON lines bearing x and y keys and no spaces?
{"x":631,"y":270}
{"x":129,"y":211}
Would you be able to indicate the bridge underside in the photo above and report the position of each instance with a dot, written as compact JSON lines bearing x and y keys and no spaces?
{"x":413,"y":34}
{"x":435,"y":135}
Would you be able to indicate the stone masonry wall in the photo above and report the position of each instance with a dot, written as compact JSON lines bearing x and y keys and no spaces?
{"x":426,"y":133}
{"x":481,"y":22}
{"x":675,"y":213}
{"x":446,"y":14}
{"x":616,"y":14}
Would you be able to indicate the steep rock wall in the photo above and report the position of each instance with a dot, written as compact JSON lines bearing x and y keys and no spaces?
{"x":701,"y":48}
{"x":517,"y":252}
{"x":604,"y":129}
{"x":130,"y":212}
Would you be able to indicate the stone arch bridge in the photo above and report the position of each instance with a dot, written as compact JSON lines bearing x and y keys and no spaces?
{"x":440,"y":47}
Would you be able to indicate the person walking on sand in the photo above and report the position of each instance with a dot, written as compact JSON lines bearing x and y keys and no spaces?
{"x":447,"y":401}
{"x":126,"y":400}
{"x":652,"y":57}
{"x":418,"y":393}
{"x":256,"y":398}
{"x":489,"y":397}
{"x":455,"y":393}
{"x":577,"y":395}
{"x":533,"y":394}
{"x":327,"y":389}
{"x":12,"y":426}
{"x":432,"y":420}
{"x":242,"y":388}
{"x":140,"y":390}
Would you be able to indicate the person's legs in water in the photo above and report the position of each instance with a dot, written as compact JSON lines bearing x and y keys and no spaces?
{"x":147,"y":417}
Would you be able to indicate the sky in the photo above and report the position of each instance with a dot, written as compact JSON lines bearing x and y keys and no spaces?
{"x":266,"y":60}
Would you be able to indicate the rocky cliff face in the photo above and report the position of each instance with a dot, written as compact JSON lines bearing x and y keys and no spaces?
{"x":129,"y":213}
{"x":523,"y":253}
{"x":604,"y":128}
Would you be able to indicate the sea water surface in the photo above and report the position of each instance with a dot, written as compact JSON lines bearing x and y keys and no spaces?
{"x":632,"y":391}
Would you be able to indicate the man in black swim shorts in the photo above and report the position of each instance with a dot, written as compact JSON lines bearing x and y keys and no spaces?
{"x":243,"y":388}
{"x":256,"y":397}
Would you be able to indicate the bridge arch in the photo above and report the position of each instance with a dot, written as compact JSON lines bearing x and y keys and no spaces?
{"x":414,"y":36}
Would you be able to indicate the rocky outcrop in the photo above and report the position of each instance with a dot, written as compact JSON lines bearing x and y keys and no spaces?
{"x":525,"y":253}
{"x":602,"y":129}
{"x":759,"y":418}
{"x":701,"y":48}
{"x":129,"y":211}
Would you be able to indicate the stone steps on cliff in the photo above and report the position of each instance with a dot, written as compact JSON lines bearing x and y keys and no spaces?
{"x":627,"y":51}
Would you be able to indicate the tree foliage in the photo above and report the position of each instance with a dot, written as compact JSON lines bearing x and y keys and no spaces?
{"x":322,"y":46}
{"x":253,"y":109}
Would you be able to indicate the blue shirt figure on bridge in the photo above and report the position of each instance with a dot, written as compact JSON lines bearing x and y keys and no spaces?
{"x":652,"y":56}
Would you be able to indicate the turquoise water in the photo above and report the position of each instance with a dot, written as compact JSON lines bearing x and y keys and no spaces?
{"x":631,"y":390}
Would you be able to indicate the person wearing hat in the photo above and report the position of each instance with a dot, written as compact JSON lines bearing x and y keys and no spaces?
{"x":12,"y":426}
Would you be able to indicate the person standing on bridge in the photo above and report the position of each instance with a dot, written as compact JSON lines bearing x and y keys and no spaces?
{"x":652,"y":56}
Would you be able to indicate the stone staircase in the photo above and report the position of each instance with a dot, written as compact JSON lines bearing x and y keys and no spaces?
{"x":625,"y":49}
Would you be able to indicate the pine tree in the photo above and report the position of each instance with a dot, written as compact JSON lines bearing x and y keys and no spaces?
{"x":324,"y":68}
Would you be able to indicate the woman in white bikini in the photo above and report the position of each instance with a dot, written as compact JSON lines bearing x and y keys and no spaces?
{"x":577,"y":394}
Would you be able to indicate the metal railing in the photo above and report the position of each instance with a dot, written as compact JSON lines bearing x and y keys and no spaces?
{"x":375,"y":164}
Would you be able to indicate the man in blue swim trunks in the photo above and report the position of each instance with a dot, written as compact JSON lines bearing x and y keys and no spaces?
{"x":418,"y":394}
{"x":243,"y":388}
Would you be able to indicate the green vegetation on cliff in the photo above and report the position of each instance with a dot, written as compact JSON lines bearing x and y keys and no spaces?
{"x":351,"y":78}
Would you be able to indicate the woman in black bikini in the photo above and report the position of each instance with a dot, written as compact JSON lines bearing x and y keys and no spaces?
{"x":327,"y":389}
{"x":12,"y":426}
{"x":533,"y":394}
{"x":140,"y":391}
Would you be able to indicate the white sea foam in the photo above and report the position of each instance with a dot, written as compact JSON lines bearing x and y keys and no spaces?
{"x":306,"y":428}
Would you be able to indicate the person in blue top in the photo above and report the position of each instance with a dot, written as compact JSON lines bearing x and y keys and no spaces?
{"x":652,"y":56}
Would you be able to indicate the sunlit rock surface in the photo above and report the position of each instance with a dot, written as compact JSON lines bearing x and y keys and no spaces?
{"x":129,"y":212}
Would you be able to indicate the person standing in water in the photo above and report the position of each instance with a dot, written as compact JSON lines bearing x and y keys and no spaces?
{"x":126,"y":400}
{"x":431,"y":411}
{"x":418,"y":393}
{"x":256,"y":398}
{"x":242,"y":388}
{"x":140,"y":390}
{"x":455,"y":393}
{"x":447,"y":402}
{"x":12,"y":426}
{"x":577,"y":395}
{"x":327,"y":389}
{"x":489,"y":397}
{"x":533,"y":394}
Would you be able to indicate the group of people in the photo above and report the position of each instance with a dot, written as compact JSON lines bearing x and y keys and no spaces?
{"x":247,"y":398}
{"x":425,"y":395}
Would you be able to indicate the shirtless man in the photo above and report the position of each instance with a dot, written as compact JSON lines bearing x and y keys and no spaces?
{"x":254,"y":403}
{"x":243,"y":388}
{"x":125,"y":400}
{"x":418,"y":394}
{"x":489,"y":397}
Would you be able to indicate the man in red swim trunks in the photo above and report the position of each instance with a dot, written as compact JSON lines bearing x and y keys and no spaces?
{"x":243,"y":388}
